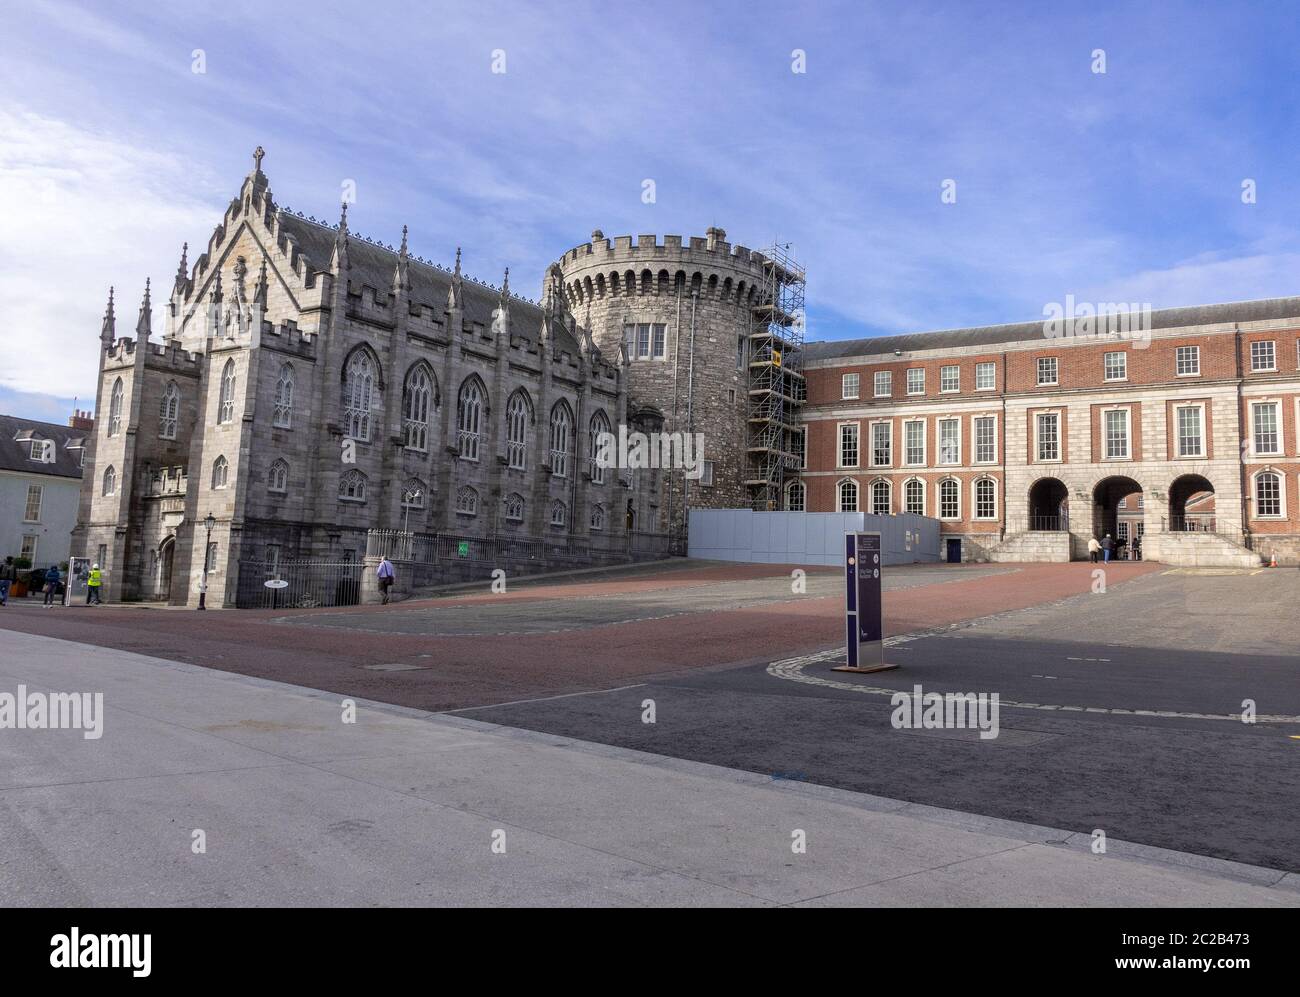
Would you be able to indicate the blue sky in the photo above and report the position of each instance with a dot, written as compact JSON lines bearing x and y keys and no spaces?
{"x":1122,"y":186}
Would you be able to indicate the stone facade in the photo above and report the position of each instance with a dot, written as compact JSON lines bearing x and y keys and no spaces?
{"x":312,"y":385}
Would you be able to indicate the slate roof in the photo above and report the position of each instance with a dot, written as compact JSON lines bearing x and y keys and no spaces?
{"x":373,"y":265}
{"x":15,"y":451}
{"x":996,"y":335}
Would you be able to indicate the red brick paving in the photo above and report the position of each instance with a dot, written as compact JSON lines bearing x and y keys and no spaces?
{"x":478,"y":670}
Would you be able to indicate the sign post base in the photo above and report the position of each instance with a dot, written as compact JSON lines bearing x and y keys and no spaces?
{"x":869,"y":668}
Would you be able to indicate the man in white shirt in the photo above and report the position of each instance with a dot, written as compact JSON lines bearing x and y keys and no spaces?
{"x":386,"y":575}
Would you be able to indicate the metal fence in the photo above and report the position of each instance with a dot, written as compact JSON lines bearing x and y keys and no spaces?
{"x":1050,"y":523}
{"x":438,"y":548}
{"x":310,"y":582}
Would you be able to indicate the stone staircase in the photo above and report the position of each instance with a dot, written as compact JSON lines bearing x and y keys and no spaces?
{"x":1199,"y":550}
{"x":1033,"y":545}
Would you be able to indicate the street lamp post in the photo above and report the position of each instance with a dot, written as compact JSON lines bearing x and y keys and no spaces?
{"x":410,"y":496}
{"x":210,"y":522}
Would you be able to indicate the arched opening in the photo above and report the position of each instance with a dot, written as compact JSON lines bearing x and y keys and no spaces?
{"x":1117,"y":510}
{"x":166,"y":557}
{"x":1191,"y":504}
{"x":1049,"y":505}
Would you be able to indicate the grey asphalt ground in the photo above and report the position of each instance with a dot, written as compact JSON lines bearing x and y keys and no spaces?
{"x":299,"y":808}
{"x":1184,"y":642}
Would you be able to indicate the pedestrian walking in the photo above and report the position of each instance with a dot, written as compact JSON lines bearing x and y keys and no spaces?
{"x":1107,"y":548}
{"x":1094,"y":548}
{"x":51,"y":585}
{"x":1137,"y":548}
{"x":93,"y":582}
{"x":8,"y":575}
{"x":386,"y":575}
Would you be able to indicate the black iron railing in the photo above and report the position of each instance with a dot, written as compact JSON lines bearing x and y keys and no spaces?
{"x":1055,"y":524}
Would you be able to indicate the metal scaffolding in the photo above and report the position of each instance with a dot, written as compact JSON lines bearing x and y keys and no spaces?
{"x":777,"y":390}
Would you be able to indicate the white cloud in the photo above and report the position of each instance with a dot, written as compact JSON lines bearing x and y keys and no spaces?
{"x":80,"y":211}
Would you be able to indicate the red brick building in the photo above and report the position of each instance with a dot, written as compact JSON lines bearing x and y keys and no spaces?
{"x":1026,"y":440}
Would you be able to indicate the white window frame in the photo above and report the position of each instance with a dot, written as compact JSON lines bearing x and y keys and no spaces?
{"x":1272,"y":354}
{"x":24,"y":551}
{"x":889,"y":497}
{"x":1192,"y":361}
{"x":561,"y":439}
{"x":1128,"y":433}
{"x":920,"y":379}
{"x":1038,"y":434}
{"x":906,"y":501}
{"x":889,"y":433}
{"x":982,"y":367}
{"x":282,"y":415}
{"x":518,"y":412}
{"x":975,"y":438}
{"x":975,"y":499}
{"x":1276,"y":406}
{"x":1178,"y":454}
{"x":839,"y":495}
{"x":417,"y":404}
{"x":1281,"y":495}
{"x":469,"y":419}
{"x":850,"y":386}
{"x":955,"y":371}
{"x":888,"y":377}
{"x":1106,"y":366}
{"x":1055,"y":370}
{"x":108,"y":483}
{"x":220,"y":473}
{"x":28,"y":515}
{"x":168,"y":411}
{"x":938,"y":490}
{"x":938,"y":440}
{"x":226,"y":402}
{"x":790,"y":489}
{"x":840,"y":444}
{"x":907,"y":451}
{"x":116,"y":394}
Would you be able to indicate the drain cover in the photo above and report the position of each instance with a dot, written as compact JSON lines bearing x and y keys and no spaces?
{"x":395,"y":667}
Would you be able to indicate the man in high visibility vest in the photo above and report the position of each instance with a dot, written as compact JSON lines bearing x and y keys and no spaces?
{"x":93,"y":581}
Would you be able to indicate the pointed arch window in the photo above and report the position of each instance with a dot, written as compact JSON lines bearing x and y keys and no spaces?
{"x":417,"y":400}
{"x":277,"y":479}
{"x":352,"y":486}
{"x":515,"y":507}
{"x":597,"y":517}
{"x":168,"y":410}
{"x":115,"y":409}
{"x":282,"y":417}
{"x":599,"y":427}
{"x":559,"y":513}
{"x":467,"y":502}
{"x":358,"y":396}
{"x":469,"y":419}
{"x":226,"y":408}
{"x":414,"y":493}
{"x":518,"y":415}
{"x":220,"y":473}
{"x":110,"y":481}
{"x":561,"y":439}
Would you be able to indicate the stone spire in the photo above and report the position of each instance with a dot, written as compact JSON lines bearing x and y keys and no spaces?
{"x":402,"y":273}
{"x":183,"y":269}
{"x":260,"y":292}
{"x":144,"y":324}
{"x":108,"y":331}
{"x":455,"y":294}
{"x":214,"y":308}
{"x":501,"y":315}
{"x":341,"y":241}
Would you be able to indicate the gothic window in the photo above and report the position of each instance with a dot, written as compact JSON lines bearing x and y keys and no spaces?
{"x":110,"y":481}
{"x":220,"y":473}
{"x":518,"y":412}
{"x":226,"y":412}
{"x":352,"y":486}
{"x":413,"y":494}
{"x":358,"y":396}
{"x":168,"y":410}
{"x":282,"y":417}
{"x":515,"y":507}
{"x":469,"y":418}
{"x":561,"y":433}
{"x":599,"y":427}
{"x":467,"y":501}
{"x":277,"y":479}
{"x":417,"y":399}
{"x":115,"y":409}
{"x":559,"y":513}
{"x":597,"y":517}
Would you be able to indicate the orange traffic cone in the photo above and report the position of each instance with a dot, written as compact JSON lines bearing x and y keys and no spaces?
{"x":1273,"y":560}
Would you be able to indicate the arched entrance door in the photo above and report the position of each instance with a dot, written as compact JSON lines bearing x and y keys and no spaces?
{"x":1117,"y":509}
{"x":1049,"y":505}
{"x":1191,"y":504}
{"x":166,"y":552}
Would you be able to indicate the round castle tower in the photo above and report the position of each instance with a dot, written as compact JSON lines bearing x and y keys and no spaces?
{"x":653,"y":298}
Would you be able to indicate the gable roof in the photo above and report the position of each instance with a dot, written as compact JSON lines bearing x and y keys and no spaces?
{"x":15,"y":450}
{"x":995,"y":335}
